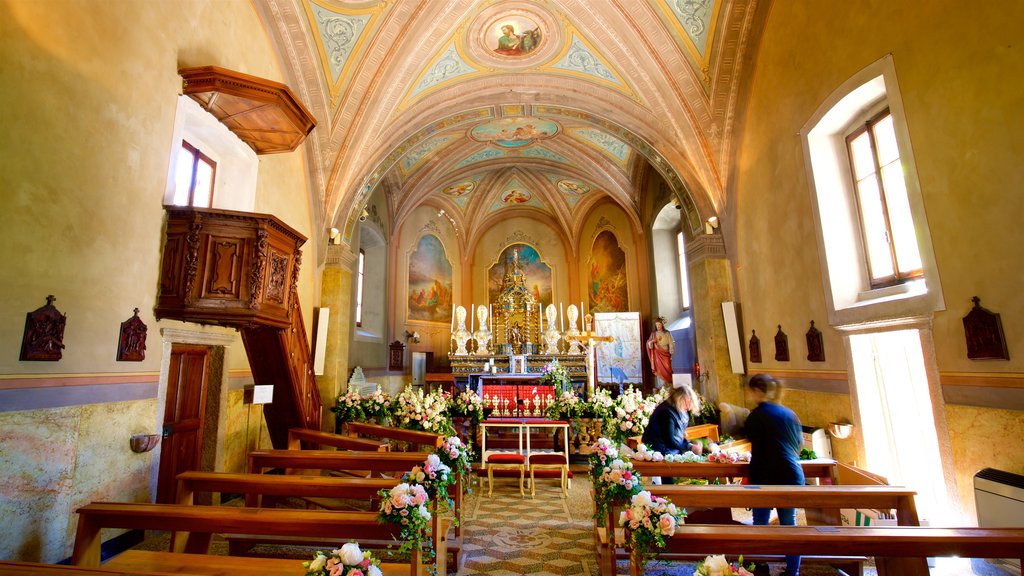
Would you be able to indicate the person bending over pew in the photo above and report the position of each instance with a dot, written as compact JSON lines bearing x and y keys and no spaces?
{"x":775,"y":437}
{"x":666,"y":428}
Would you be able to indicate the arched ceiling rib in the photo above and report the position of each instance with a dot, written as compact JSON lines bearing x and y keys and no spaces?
{"x":413,"y":96}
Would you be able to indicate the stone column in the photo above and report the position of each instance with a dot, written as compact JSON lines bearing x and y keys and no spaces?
{"x":710,"y":285}
{"x":336,"y":294}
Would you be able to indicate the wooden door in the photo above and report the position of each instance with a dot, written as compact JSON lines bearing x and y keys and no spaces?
{"x":183,"y":416}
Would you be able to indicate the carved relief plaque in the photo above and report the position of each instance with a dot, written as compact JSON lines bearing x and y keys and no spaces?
{"x":44,"y":333}
{"x":815,"y":344}
{"x":781,"y":346}
{"x":754,"y":347}
{"x":131,"y":347}
{"x":278,"y":282}
{"x":984,"y":332}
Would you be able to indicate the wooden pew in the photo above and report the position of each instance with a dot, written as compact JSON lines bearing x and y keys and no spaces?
{"x":296,"y":436}
{"x":824,"y":470}
{"x":201,"y":522}
{"x":425,"y":440}
{"x":375,"y":462}
{"x":253,"y":486}
{"x":899,"y":551}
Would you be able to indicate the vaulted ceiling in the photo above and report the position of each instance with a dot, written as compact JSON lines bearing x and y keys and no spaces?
{"x":425,"y":101}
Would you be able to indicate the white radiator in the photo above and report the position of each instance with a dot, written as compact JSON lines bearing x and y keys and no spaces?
{"x":999,"y":497}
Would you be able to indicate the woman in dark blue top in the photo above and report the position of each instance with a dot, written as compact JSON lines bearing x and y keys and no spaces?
{"x":666,"y":428}
{"x":775,"y":437}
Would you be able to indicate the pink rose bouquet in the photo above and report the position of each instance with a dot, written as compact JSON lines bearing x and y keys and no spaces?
{"x":348,"y":560}
{"x":648,"y":521}
{"x":406,"y":505}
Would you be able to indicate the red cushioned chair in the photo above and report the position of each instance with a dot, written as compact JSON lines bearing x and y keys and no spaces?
{"x":505,"y":461}
{"x":549,"y":461}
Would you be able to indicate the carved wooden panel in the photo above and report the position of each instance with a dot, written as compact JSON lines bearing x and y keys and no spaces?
{"x":781,"y":346}
{"x":224,"y":267}
{"x":815,"y":344}
{"x":754,"y":347}
{"x":131,"y":346}
{"x":279,"y":279}
{"x":396,"y":356}
{"x":171,"y":268}
{"x":984,"y":332}
{"x":43,"y":338}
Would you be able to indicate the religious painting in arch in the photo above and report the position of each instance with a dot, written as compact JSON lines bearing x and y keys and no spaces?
{"x":514,"y":36}
{"x":607,"y":286}
{"x":430,"y":282}
{"x":536,"y":272}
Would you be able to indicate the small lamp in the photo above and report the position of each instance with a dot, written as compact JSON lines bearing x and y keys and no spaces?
{"x":414,"y":336}
{"x":711,"y":225}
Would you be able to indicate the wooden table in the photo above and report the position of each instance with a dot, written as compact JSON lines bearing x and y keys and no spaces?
{"x":523,"y":425}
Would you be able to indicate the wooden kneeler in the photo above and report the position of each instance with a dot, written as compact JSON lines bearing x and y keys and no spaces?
{"x":505,"y":461}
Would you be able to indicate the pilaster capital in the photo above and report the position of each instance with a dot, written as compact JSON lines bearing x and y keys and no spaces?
{"x":340,"y":256}
{"x":704,"y":247}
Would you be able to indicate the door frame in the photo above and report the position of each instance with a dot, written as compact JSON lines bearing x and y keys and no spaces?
{"x":212,"y":450}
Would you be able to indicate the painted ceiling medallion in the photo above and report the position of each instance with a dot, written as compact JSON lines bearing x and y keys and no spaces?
{"x":459,"y":189}
{"x":516,"y":196}
{"x":573,"y":187}
{"x":514,"y":35}
{"x":514,"y":132}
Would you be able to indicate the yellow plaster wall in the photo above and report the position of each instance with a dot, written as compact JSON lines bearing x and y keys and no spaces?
{"x":434,"y":336}
{"x":89,"y":98}
{"x":960,"y":86}
{"x":608,"y":217}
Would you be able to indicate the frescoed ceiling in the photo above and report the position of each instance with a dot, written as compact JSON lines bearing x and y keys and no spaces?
{"x":491,"y":107}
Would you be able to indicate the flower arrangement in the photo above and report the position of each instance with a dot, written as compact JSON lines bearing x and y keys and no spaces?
{"x":719,"y":566}
{"x":650,"y":519}
{"x":600,"y":404}
{"x":617,"y":481}
{"x":406,"y":505}
{"x":378,"y":405}
{"x":416,"y":411}
{"x":566,"y":405}
{"x":630,"y":415}
{"x":556,"y":375}
{"x":729,"y":457}
{"x":601,"y":453}
{"x":433,"y":475}
{"x":456,"y":455}
{"x":349,"y":560}
{"x":467,"y":404}
{"x":349,"y":407}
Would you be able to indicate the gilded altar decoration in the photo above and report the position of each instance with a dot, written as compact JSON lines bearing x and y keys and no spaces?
{"x":44,"y":333}
{"x":984,"y":332}
{"x":131,"y":346}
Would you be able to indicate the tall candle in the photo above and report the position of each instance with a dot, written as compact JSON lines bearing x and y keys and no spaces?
{"x":561,"y":318}
{"x":540,"y":310}
{"x":453,"y":317}
{"x":472,"y":313}
{"x":490,"y":317}
{"x":583,"y":323}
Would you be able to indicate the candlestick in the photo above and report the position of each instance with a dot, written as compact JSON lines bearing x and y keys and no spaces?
{"x":490,"y":317}
{"x":540,"y":311}
{"x":472,"y":313}
{"x":453,"y":317}
{"x":582,"y":315}
{"x":561,"y":319}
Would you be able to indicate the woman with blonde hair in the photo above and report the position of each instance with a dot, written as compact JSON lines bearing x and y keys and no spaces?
{"x":666,"y":429}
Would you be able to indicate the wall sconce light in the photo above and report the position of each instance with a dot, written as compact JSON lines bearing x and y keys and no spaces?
{"x":365,"y":214}
{"x":414,"y":336}
{"x":677,"y":203}
{"x":711,"y":225}
{"x":335,"y":233}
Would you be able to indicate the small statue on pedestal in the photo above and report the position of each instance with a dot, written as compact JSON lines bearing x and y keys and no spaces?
{"x":483,"y":334}
{"x":461,"y":335}
{"x":552,"y":335}
{"x":575,"y":346}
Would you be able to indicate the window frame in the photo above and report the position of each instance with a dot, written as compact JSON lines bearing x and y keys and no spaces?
{"x":198,"y":156}
{"x":867,"y":127}
{"x":360,"y":275}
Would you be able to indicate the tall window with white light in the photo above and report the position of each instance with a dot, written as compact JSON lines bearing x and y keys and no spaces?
{"x":887,"y":227}
{"x":684,"y":279}
{"x":194,"y":177}
{"x":359,"y":289}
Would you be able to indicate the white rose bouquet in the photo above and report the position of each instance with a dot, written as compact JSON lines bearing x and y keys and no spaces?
{"x":630,"y":414}
{"x":348,"y":560}
{"x":719,"y":566}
